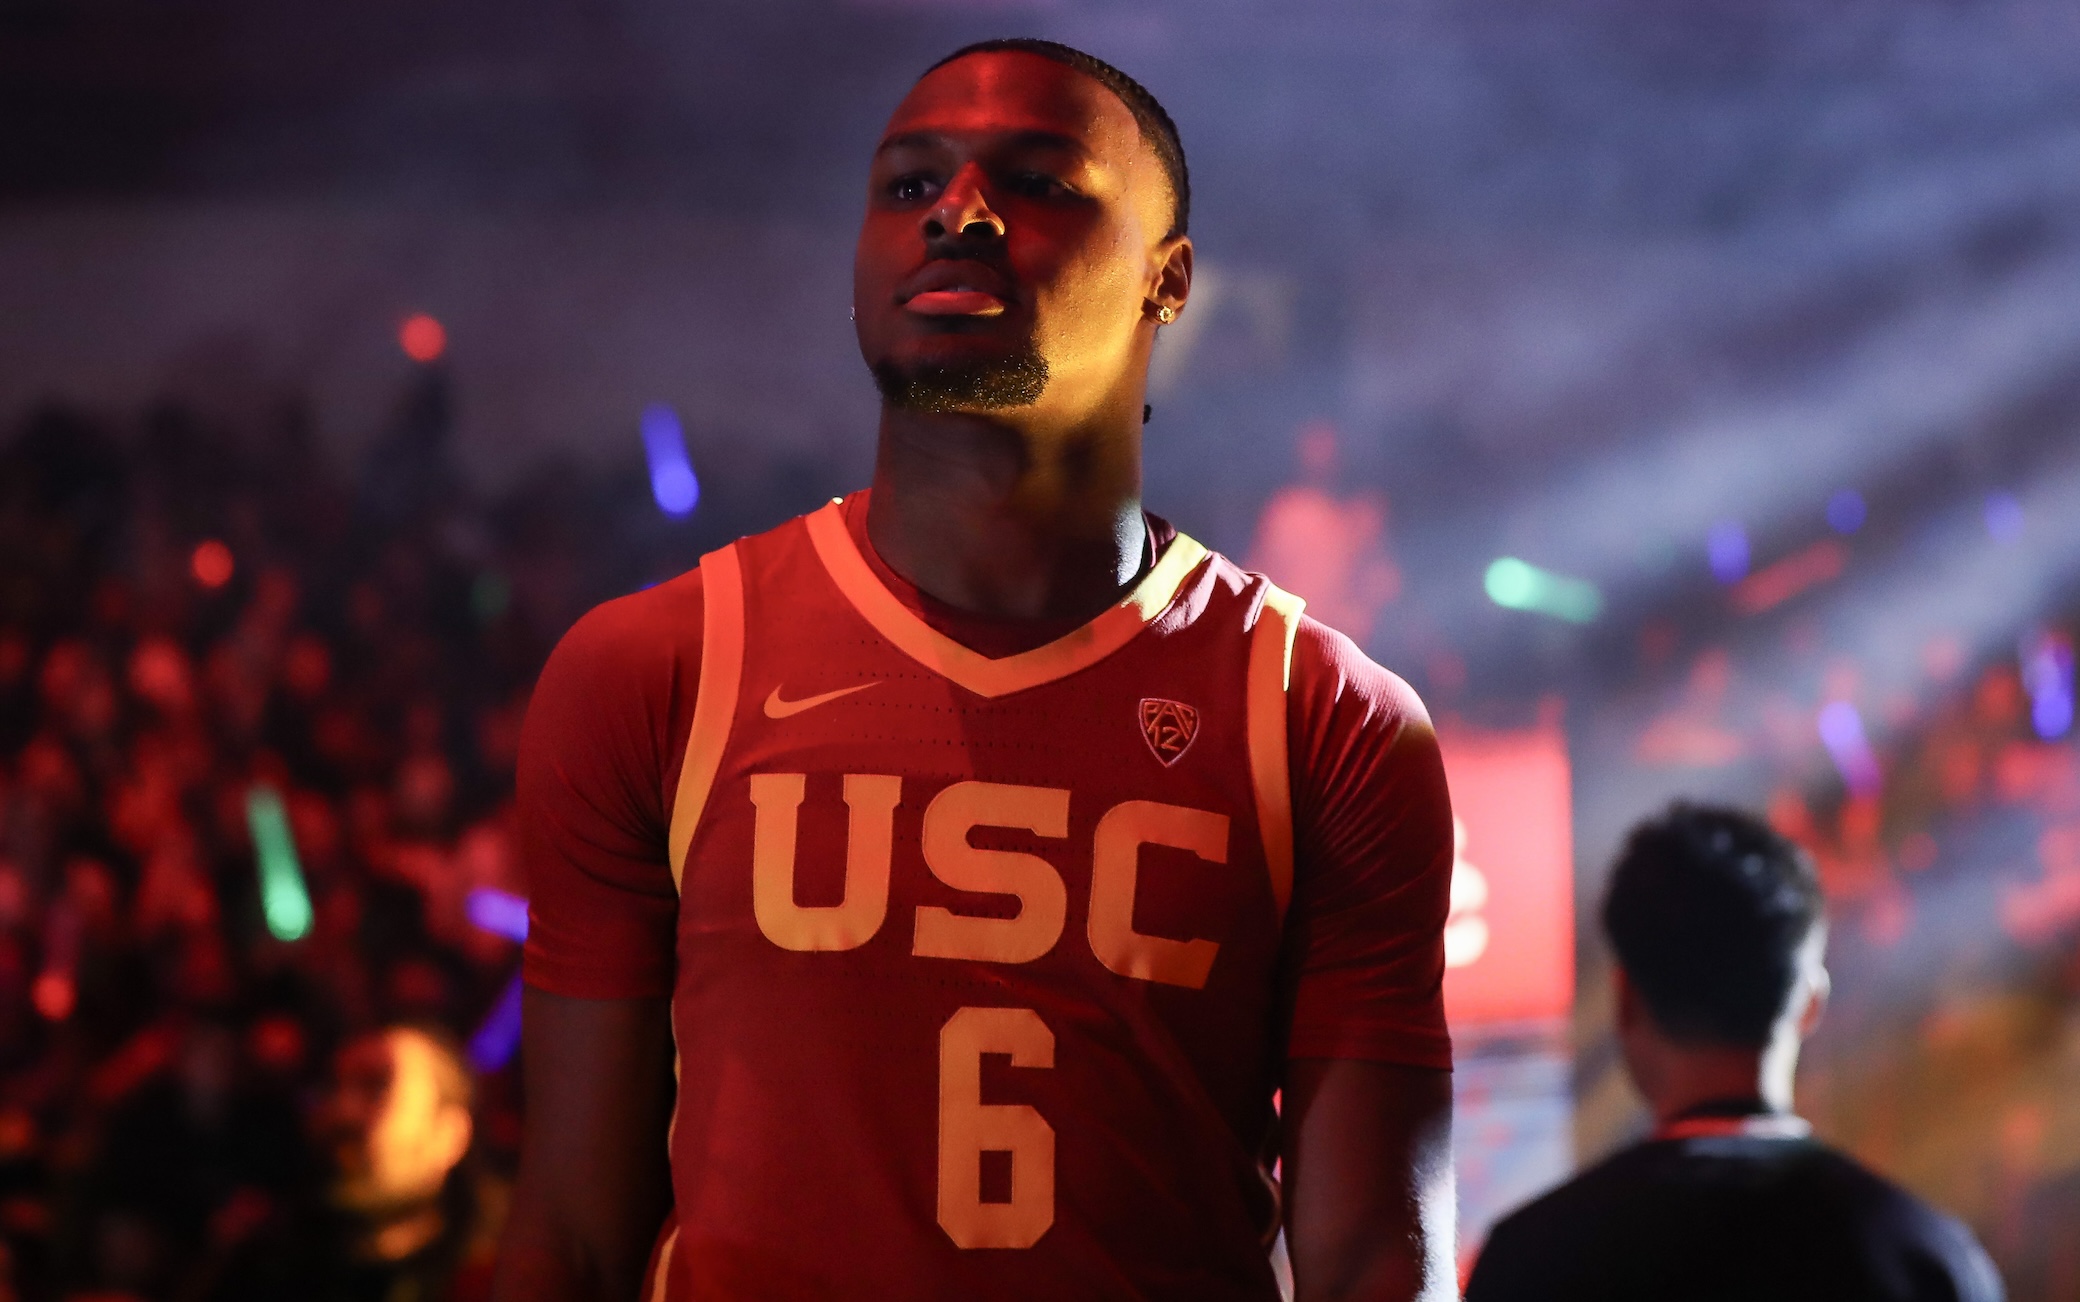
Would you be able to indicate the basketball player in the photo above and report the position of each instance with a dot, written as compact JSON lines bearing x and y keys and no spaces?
{"x":1716,"y":922}
{"x":950,"y":879}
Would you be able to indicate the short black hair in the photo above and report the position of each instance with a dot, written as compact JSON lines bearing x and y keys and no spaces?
{"x":1707,"y":911}
{"x":1156,"y":127}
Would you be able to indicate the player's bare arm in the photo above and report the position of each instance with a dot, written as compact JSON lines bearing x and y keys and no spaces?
{"x":1368,"y":1181}
{"x":594,"y":1185}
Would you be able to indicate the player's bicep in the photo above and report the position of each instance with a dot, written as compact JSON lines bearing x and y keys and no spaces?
{"x":594,"y":1179}
{"x":1373,"y":885}
{"x":592,"y":823}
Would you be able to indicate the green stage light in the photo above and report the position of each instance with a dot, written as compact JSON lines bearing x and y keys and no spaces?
{"x":284,"y":900}
{"x":1520,"y":585}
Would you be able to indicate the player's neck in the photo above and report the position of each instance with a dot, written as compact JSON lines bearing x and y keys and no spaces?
{"x":1006,"y":521}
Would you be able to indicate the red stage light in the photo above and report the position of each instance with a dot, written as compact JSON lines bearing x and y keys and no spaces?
{"x":53,"y":994}
{"x":422,"y":338}
{"x":211,"y":564}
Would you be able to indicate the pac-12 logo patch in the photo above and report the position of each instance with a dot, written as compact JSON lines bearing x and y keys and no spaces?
{"x":1168,"y":727}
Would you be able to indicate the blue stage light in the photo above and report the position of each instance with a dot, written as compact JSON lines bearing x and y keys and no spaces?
{"x":498,"y":912}
{"x":1845,"y":511}
{"x":2047,"y":674}
{"x":1727,"y":549}
{"x":672,"y":481}
{"x":497,"y":1037}
{"x":1841,"y":731}
{"x":2003,"y":518}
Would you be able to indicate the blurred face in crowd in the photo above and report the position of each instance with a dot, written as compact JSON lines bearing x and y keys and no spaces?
{"x":1017,"y":225}
{"x":396,"y":1121}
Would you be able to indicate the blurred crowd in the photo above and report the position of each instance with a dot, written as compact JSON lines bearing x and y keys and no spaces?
{"x":193,"y":1106}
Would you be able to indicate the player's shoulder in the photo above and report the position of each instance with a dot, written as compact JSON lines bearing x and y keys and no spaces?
{"x":629,"y":656}
{"x":1329,"y":669}
{"x":632,"y":630}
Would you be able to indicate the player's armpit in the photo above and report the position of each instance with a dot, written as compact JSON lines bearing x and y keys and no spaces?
{"x":1368,"y":1181}
{"x":594,"y":1186}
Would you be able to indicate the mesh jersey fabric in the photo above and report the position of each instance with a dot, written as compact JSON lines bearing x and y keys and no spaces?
{"x":1035,"y":881}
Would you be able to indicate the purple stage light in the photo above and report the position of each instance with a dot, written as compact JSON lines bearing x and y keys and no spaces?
{"x":498,"y":912}
{"x":497,"y":1038}
{"x":1846,"y":511}
{"x":672,"y":481}
{"x":2003,"y":518}
{"x":1727,"y":548}
{"x":1841,"y":731}
{"x":2047,"y":674}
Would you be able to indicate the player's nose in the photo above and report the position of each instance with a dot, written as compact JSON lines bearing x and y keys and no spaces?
{"x":963,"y":209}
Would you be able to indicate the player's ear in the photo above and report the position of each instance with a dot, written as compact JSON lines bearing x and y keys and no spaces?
{"x":1171,"y":284}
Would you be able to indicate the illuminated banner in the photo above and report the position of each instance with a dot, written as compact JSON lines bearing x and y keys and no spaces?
{"x":1509,"y":946}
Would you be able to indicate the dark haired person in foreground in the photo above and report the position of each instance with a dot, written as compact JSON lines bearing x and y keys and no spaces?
{"x":1716,"y":922}
{"x":946,"y":880}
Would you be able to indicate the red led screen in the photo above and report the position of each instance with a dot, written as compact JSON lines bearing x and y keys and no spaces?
{"x":1509,"y":946}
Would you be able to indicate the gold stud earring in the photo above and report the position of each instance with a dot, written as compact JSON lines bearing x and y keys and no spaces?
{"x":1165,"y":314}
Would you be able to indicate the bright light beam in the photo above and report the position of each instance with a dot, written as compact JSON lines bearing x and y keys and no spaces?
{"x":1841,"y":730}
{"x":497,"y":1037}
{"x":2047,"y":674}
{"x":499,"y":912}
{"x":1520,"y":585}
{"x":284,"y":900}
{"x":672,"y":481}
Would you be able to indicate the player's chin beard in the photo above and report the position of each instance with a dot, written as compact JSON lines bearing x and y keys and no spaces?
{"x":993,"y":384}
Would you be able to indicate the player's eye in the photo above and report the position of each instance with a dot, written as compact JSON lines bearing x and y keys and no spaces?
{"x":1035,"y":185}
{"x":913,"y":188}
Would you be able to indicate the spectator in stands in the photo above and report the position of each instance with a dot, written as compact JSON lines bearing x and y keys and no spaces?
{"x":1717,"y":926}
{"x":402,"y":1213}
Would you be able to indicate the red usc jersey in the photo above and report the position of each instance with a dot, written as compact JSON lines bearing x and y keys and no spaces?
{"x":983,"y":968}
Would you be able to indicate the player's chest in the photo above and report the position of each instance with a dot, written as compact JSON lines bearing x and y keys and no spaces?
{"x":884,"y":813}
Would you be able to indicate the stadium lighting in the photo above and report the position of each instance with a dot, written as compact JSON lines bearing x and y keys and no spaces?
{"x":211,"y":563}
{"x":285,"y":902}
{"x":1841,"y":731}
{"x":497,"y":1037}
{"x":2003,"y":518}
{"x":1520,"y":585}
{"x":423,"y":338}
{"x":2047,"y":674}
{"x":672,"y":481}
{"x":499,"y":912}
{"x":1726,"y":547}
{"x":1846,"y":511}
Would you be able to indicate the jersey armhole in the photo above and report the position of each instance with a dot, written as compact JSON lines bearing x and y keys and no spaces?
{"x":1270,"y":677}
{"x":715,"y":698}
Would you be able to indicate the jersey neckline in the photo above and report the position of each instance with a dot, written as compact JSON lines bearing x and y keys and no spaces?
{"x":996,"y":676}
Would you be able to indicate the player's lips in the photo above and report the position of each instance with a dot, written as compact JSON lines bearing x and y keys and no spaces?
{"x":955,"y":289}
{"x":954,"y":302}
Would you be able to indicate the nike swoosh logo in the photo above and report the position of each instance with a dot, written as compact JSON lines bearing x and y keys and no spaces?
{"x":779,"y":709}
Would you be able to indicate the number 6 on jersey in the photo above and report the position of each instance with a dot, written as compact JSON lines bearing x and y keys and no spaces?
{"x":968,"y":1128}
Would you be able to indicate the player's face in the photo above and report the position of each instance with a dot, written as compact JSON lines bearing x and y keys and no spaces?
{"x":1015,"y":232}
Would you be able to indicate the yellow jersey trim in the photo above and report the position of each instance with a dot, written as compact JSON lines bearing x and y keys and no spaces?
{"x":1270,"y":675}
{"x":715,"y":701}
{"x":979,"y":673}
